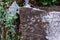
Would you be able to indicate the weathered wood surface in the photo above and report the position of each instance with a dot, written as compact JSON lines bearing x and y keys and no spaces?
{"x":31,"y":24}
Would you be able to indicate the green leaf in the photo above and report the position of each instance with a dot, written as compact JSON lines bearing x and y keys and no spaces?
{"x":12,"y":30}
{"x":13,"y":26}
{"x":15,"y":17}
{"x":8,"y":17}
{"x":2,"y":3}
{"x":8,"y":37}
{"x":7,"y":4}
{"x":44,"y":3}
{"x":7,"y":25}
{"x":54,"y":0}
{"x":2,"y":9}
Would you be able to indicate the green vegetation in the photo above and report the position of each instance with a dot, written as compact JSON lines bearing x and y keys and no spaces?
{"x":7,"y":25}
{"x":46,"y":2}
